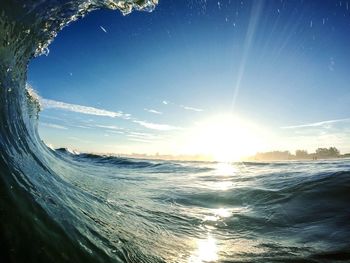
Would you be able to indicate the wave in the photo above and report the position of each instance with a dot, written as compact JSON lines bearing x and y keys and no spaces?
{"x":29,"y":183}
{"x":151,"y":166}
{"x":65,"y":206}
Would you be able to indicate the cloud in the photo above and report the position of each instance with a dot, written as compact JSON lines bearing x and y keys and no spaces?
{"x":48,"y":104}
{"x":115,"y":132}
{"x":316,"y":124}
{"x":140,"y":140}
{"x":110,"y":127}
{"x":54,"y":126}
{"x":156,"y":126}
{"x":153,"y":111}
{"x":52,"y":104}
{"x":191,"y":108}
{"x":166,"y":102}
{"x":81,"y":126}
{"x":142,"y":135}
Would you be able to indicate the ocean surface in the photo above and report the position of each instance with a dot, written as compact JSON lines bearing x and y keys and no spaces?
{"x":62,"y":206}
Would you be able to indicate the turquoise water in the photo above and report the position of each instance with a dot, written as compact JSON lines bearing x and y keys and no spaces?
{"x":132,"y":210}
{"x":59,"y":206}
{"x":204,"y":212}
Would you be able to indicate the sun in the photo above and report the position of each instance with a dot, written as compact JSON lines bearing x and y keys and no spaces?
{"x":224,"y":137}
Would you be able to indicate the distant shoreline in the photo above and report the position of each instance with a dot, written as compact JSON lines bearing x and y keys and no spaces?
{"x":305,"y":159}
{"x":319,"y":154}
{"x":274,"y":156}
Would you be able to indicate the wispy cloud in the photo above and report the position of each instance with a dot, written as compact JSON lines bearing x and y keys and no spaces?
{"x":46,"y":103}
{"x":53,"y":104}
{"x":191,"y":108}
{"x":185,"y":107}
{"x":317,"y":124}
{"x":115,"y":132}
{"x":156,"y":126}
{"x":81,"y":126}
{"x":153,"y":111}
{"x":54,"y":126}
{"x":140,"y":140}
{"x":143,"y":135}
{"x":44,"y":116}
{"x":110,"y":127}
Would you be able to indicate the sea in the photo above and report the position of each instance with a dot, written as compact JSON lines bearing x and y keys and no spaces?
{"x":57,"y":205}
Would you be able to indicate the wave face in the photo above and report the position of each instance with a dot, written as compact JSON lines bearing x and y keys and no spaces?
{"x":61,"y":206}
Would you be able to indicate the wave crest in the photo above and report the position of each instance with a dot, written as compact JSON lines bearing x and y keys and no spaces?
{"x":30,"y":186}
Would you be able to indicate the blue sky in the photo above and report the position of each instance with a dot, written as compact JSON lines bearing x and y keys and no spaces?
{"x":280,"y":66}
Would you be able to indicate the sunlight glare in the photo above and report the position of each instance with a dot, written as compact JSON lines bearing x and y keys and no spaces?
{"x":223,"y":212}
{"x":218,"y":214}
{"x":224,"y":137}
{"x":206,"y":251}
{"x":225,"y":169}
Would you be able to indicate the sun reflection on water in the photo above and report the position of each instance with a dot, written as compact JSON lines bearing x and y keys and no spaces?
{"x":225,"y":169}
{"x":218,"y":214}
{"x":223,"y":212}
{"x":223,"y":173}
{"x":206,"y":251}
{"x":223,"y":186}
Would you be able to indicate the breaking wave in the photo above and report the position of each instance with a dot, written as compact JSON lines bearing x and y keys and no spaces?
{"x":64,"y":206}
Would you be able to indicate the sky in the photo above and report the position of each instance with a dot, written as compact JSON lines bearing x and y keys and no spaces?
{"x":224,"y":78}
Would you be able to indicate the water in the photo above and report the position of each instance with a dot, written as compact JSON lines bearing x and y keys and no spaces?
{"x":60,"y":206}
{"x":159,"y":211}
